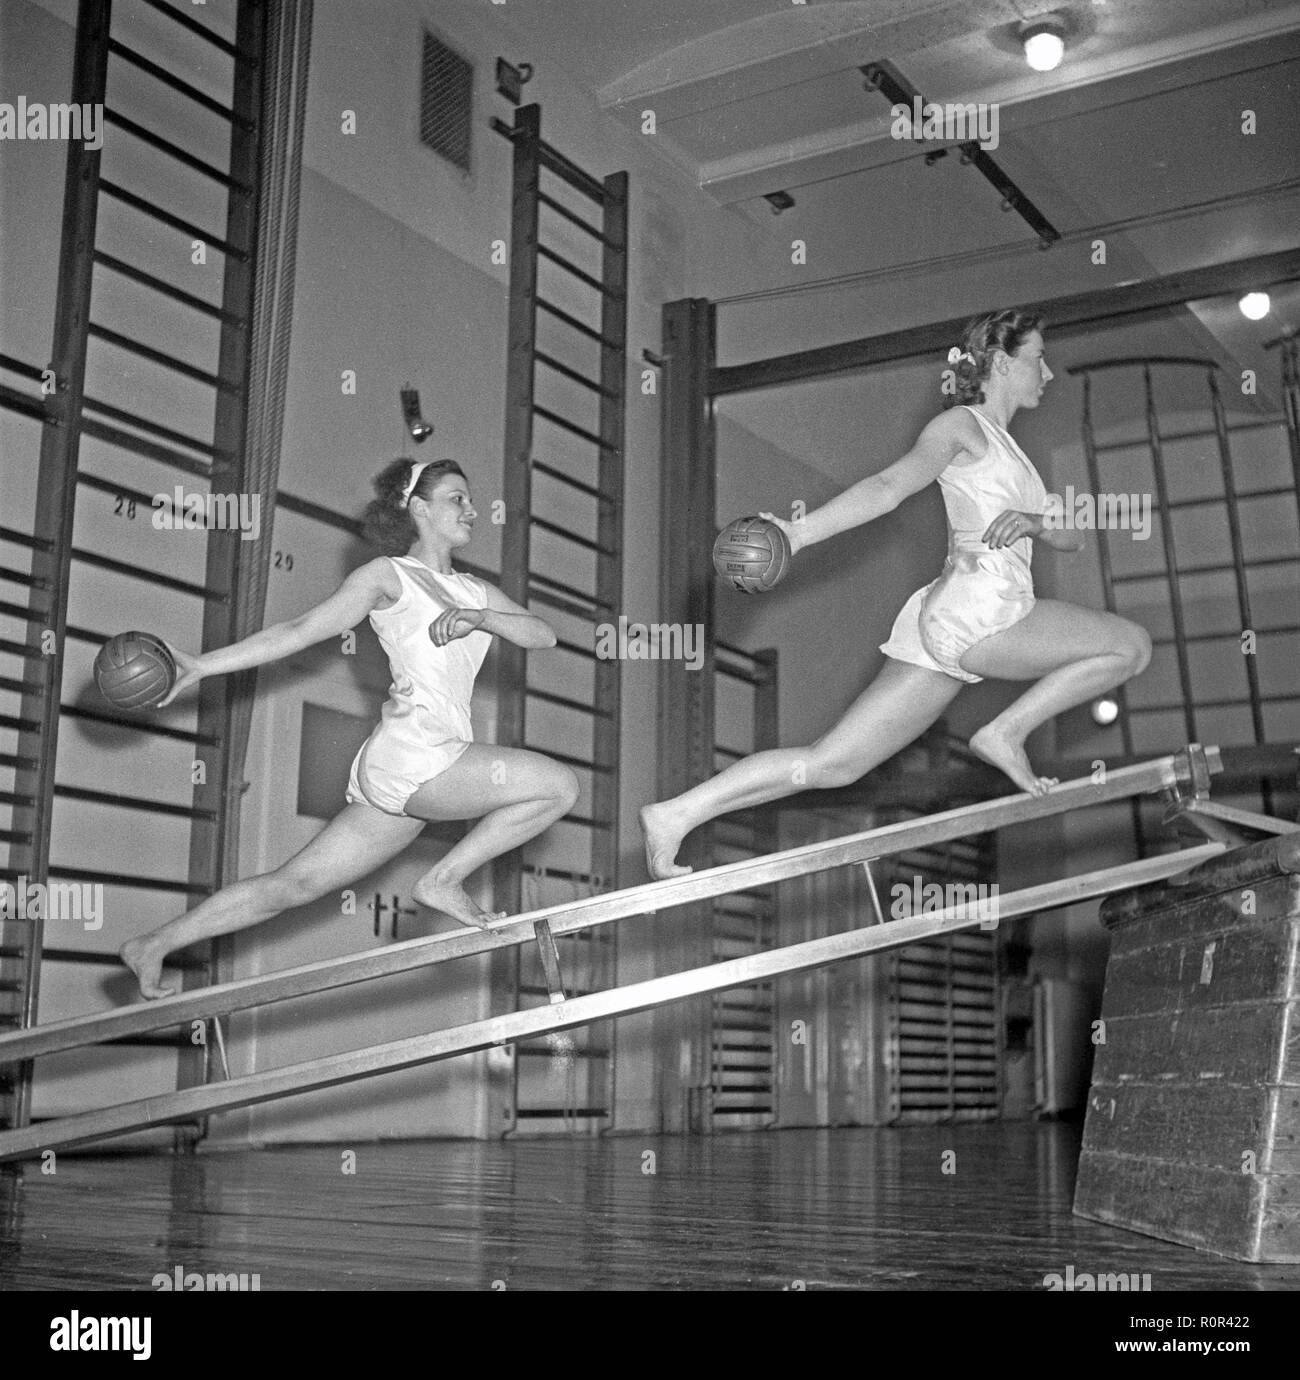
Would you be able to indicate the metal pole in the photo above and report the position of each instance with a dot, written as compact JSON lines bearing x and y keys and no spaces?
{"x":1171,"y":555}
{"x":686,"y":732}
{"x":56,"y":491}
{"x":1238,"y":562}
{"x":517,"y":492}
{"x":1108,"y":593}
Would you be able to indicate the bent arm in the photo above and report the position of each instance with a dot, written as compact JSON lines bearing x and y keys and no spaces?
{"x":362,"y":591}
{"x":945,"y":437}
{"x":1061,"y":540}
{"x":511,"y":621}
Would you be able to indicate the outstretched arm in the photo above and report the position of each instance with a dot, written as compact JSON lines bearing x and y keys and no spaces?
{"x":943,"y":439}
{"x":363,"y":590}
{"x":502,"y":618}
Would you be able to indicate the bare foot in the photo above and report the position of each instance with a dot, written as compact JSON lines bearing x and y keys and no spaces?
{"x":452,"y":899}
{"x":147,"y":967}
{"x":663,"y":837}
{"x":1008,"y":756}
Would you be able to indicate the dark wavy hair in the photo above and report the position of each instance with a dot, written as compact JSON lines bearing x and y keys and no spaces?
{"x":386,"y":522}
{"x":982,"y":339}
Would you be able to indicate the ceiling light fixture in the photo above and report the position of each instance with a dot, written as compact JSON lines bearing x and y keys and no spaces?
{"x":1255,"y":306}
{"x":1044,"y":43}
{"x":1105,"y":710}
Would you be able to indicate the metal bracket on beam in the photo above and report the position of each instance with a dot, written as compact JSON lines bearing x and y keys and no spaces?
{"x":894,"y":86}
{"x":550,"y":961}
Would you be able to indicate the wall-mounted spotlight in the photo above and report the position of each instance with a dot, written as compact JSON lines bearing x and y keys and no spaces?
{"x":779,"y":201}
{"x":1255,"y":306}
{"x":511,"y":79}
{"x":420,"y":429}
{"x":1044,"y":42}
{"x":1105,"y":710}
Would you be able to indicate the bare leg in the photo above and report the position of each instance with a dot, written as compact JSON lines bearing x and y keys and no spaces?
{"x":517,"y":793}
{"x":1077,"y":652}
{"x":355,"y":842}
{"x":895,"y":709}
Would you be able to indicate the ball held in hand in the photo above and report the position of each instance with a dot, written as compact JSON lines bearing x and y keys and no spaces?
{"x":752,"y":554}
{"x":134,"y":670}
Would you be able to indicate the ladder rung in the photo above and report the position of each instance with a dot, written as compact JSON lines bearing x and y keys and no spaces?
{"x":571,"y":536}
{"x":1221,"y":498}
{"x":175,"y":151}
{"x":17,"y":798}
{"x":96,"y":716}
{"x":580,"y":762}
{"x":565,"y":702}
{"x":109,"y":960}
{"x":524,"y":1050}
{"x":12,"y":759}
{"x":554,"y":161}
{"x":1228,"y":634}
{"x":1218,"y":569}
{"x":194,"y":27}
{"x":138,"y":445}
{"x":579,"y":221}
{"x":158,"y":285}
{"x":1242,"y":702}
{"x":121,"y":802}
{"x":25,"y":539}
{"x":158,"y":1040}
{"x":125,"y":342}
{"x":15,"y":835}
{"x":573,"y":427}
{"x":93,"y":481}
{"x":573,"y":483}
{"x":556,"y":601}
{"x":564,"y":874}
{"x":120,"y":414}
{"x":568,"y":1113}
{"x":562,"y":645}
{"x":21,"y":649}
{"x":21,"y":367}
{"x":161,"y":74}
{"x":23,"y":403}
{"x":20,"y":687}
{"x":23,"y":612}
{"x":561,"y":368}
{"x":152,"y":577}
{"x":573,"y":321}
{"x":579,"y":595}
{"x":22,"y":577}
{"x":584,"y":822}
{"x":90,"y":635}
{"x":569,"y":267}
{"x":131,"y":879}
{"x":1200,"y":434}
{"x":195,"y":232}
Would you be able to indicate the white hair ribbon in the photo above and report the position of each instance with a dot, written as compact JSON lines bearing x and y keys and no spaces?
{"x":957,"y":354}
{"x":416,"y":471}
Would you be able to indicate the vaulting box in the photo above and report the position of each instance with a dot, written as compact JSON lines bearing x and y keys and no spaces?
{"x":1193,"y":1123}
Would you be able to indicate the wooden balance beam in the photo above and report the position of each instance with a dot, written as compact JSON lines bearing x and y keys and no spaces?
{"x":618,"y":1001}
{"x":1186,"y":772}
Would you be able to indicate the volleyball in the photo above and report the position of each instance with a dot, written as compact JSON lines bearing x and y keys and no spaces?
{"x":134,"y":670}
{"x":751,"y":554}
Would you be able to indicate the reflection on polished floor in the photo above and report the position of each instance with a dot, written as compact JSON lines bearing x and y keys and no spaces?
{"x":851,"y":1208}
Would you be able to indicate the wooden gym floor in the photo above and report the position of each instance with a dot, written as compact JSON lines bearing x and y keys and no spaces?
{"x":839,"y":1209}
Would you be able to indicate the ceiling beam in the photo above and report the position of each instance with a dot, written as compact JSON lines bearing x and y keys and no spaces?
{"x":1123,"y":302}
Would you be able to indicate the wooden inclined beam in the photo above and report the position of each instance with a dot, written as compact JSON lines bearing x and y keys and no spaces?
{"x":598,"y":910}
{"x":506,"y":1029}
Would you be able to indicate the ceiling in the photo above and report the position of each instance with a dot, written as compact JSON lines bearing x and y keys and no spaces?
{"x":1136,"y":137}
